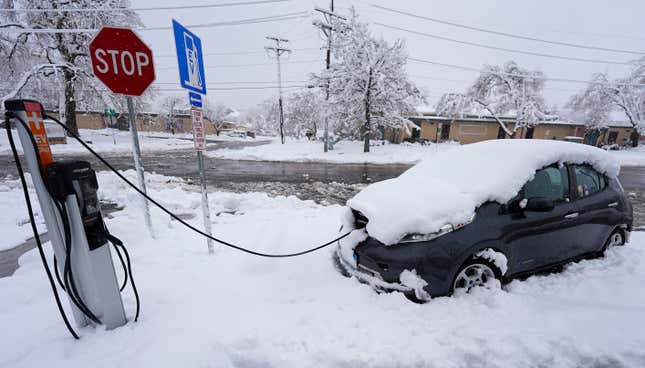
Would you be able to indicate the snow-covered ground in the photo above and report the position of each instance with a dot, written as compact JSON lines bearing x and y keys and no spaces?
{"x":630,"y":156}
{"x":352,"y":152}
{"x":343,"y":152}
{"x":117,"y":141}
{"x":14,"y":222}
{"x":236,"y":310}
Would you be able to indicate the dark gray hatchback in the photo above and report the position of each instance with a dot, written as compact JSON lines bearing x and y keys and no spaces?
{"x":565,"y":213}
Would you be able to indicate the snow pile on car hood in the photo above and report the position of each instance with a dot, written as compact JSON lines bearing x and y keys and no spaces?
{"x":447,"y":187}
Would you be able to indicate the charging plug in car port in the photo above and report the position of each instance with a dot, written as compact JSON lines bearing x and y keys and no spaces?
{"x":382,"y":266}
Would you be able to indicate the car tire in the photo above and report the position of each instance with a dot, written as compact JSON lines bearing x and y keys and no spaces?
{"x":616,"y":239}
{"x":476,"y":272}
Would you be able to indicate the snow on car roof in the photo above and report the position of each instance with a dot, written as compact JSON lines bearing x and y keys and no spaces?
{"x":448,"y":186}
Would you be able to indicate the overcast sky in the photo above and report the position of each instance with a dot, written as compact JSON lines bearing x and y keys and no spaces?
{"x":610,"y":24}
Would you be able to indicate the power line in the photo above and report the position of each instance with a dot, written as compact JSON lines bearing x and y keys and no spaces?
{"x":505,"y":34}
{"x":570,"y":58}
{"x":273,"y":18}
{"x":238,"y":52}
{"x":243,"y":82}
{"x":178,"y":7}
{"x":246,"y":65}
{"x":233,"y":88}
{"x":476,"y":70}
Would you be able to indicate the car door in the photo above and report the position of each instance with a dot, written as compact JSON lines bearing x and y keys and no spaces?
{"x":595,"y":205}
{"x":536,"y":239}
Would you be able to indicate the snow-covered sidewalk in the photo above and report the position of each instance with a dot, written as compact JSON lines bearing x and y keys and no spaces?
{"x":118,"y":141}
{"x":343,"y":152}
{"x":352,"y":152}
{"x":630,"y":156}
{"x":236,"y":310}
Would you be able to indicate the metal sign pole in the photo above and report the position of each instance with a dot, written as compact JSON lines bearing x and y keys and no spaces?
{"x":205,"y":209}
{"x":199,"y":138}
{"x":137,"y":163}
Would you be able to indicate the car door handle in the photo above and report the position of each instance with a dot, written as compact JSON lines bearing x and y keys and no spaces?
{"x":612,"y":204}
{"x":571,"y":215}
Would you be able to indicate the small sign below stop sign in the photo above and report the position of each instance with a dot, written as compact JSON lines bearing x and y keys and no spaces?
{"x":122,"y":61}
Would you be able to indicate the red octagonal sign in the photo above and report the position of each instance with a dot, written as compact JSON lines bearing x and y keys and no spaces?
{"x":122,"y":61}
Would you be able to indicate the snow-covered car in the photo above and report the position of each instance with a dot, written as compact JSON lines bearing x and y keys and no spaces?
{"x":493,"y":210}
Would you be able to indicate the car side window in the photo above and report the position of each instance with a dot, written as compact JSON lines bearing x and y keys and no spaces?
{"x":588,"y":181}
{"x":550,"y":183}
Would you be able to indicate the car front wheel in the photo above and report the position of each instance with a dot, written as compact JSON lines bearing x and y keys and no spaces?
{"x":615,"y":239}
{"x":475,"y":273}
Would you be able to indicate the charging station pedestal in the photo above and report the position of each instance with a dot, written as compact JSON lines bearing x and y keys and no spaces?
{"x":90,"y":257}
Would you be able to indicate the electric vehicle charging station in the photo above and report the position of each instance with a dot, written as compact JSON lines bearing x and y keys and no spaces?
{"x":78,"y":235}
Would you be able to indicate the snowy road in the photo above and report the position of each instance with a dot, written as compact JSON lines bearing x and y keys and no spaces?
{"x":234,"y":310}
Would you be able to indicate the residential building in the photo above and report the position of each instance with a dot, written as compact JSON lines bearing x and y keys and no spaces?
{"x":474,"y":128}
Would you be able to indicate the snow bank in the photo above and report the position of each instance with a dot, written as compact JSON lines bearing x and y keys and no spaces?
{"x":14,"y":222}
{"x":412,"y":280}
{"x":446,"y":188}
{"x":235,"y":310}
{"x":343,"y":152}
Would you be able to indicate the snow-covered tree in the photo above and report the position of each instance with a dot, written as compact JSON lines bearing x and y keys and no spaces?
{"x":217,"y":113}
{"x":171,"y":106}
{"x":368,"y":85}
{"x":593,"y":104}
{"x":454,"y":105}
{"x":30,"y":55}
{"x":262,"y":118}
{"x":510,"y":89}
{"x":303,"y":113}
{"x":603,"y":95}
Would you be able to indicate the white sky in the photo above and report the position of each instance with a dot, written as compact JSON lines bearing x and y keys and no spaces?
{"x":614,"y":24}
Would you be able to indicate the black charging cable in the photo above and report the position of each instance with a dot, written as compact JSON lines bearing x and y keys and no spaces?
{"x":181,"y":221}
{"x":68,"y":273}
{"x":32,"y":219}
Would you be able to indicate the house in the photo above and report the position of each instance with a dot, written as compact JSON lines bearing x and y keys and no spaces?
{"x":146,"y":122}
{"x":476,"y":128}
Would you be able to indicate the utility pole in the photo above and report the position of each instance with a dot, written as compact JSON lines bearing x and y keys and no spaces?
{"x":326,"y":28}
{"x":279,"y":50}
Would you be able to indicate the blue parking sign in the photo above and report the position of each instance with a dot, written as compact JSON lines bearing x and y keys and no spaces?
{"x":189,"y":58}
{"x":195,"y":99}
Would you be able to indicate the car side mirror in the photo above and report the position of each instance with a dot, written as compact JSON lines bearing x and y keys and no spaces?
{"x":538,"y":204}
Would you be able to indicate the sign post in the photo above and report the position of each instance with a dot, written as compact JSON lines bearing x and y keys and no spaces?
{"x":124,"y":64}
{"x":191,"y":77}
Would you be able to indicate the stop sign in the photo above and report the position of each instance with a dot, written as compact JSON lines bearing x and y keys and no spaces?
{"x":122,"y":61}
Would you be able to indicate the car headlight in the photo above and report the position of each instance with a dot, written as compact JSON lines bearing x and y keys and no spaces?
{"x":445,"y":229}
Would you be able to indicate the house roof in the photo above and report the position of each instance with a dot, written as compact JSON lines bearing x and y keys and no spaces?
{"x":507,"y":119}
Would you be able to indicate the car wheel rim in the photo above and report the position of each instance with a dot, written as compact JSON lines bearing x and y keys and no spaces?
{"x":472,"y":276}
{"x":614,"y":240}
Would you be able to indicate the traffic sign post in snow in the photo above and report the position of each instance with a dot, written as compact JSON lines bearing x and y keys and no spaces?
{"x":191,"y":77}
{"x":124,"y":64}
{"x":189,"y":59}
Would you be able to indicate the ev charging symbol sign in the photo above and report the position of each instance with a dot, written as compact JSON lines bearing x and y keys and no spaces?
{"x":189,"y":59}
